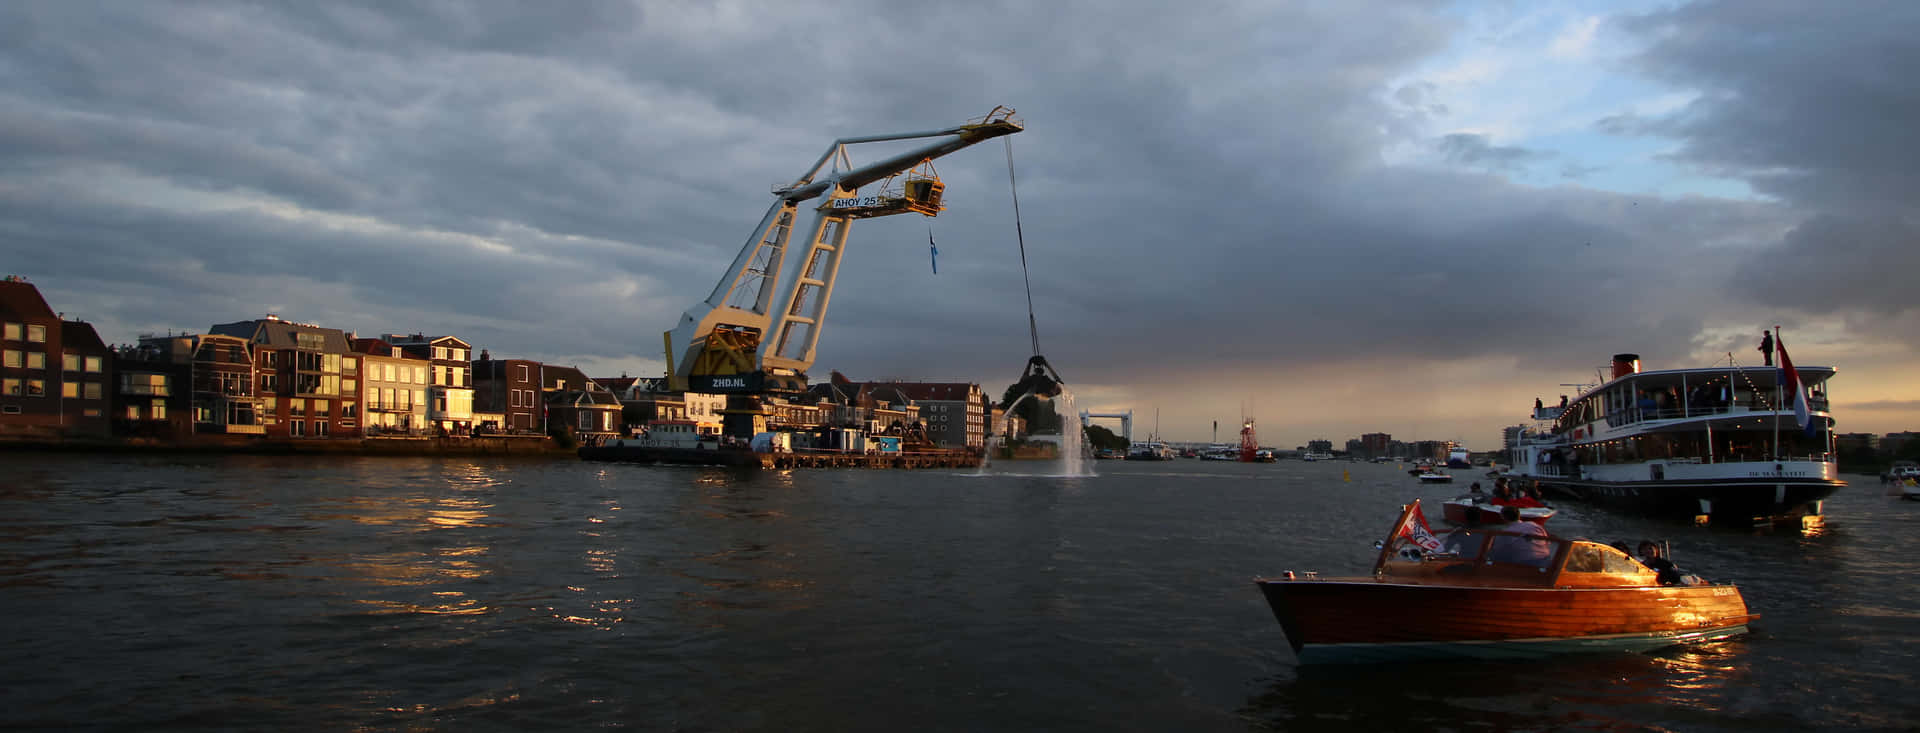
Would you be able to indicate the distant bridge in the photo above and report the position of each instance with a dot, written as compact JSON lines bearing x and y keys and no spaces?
{"x":1125,"y":418}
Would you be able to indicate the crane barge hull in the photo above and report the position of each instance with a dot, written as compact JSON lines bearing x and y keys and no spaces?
{"x":740,"y":458}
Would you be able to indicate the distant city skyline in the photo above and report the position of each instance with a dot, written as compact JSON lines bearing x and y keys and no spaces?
{"x":1363,"y":217}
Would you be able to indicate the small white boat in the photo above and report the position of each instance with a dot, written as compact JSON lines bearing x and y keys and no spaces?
{"x":1436,"y":477}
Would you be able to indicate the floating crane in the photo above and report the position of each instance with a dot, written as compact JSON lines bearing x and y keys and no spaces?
{"x":720,"y":346}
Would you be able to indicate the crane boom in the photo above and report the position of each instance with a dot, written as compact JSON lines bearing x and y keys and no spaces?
{"x":721,"y":344}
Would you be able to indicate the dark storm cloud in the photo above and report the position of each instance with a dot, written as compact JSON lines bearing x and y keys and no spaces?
{"x":1476,"y":150}
{"x":1199,"y":191}
{"x":1814,"y":105}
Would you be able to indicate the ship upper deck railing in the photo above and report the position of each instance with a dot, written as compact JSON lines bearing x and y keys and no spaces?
{"x":1635,"y":415}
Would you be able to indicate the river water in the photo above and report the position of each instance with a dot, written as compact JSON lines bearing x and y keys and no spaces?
{"x":147,"y":592}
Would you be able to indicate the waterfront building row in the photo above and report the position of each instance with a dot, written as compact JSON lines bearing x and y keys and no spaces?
{"x":273,"y":378}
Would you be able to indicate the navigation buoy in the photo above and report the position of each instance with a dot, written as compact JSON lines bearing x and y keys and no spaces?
{"x":1346,"y":476}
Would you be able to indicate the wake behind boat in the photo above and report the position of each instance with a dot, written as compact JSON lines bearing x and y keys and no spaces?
{"x":1484,"y":593}
{"x":1724,"y":443}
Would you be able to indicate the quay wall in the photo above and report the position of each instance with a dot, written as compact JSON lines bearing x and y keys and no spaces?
{"x":526,"y":446}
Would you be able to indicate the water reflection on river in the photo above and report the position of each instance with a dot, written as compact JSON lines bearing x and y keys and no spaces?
{"x":238,"y":592}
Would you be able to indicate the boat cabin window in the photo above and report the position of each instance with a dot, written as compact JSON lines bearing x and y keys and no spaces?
{"x":1590,"y":557}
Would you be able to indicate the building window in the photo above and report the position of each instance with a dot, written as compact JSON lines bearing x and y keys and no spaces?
{"x":90,"y":412}
{"x":36,"y":360}
{"x":69,"y":362}
{"x":70,"y":390}
{"x":322,"y":408}
{"x":296,"y":408}
{"x":10,"y":359}
{"x":419,"y":375}
{"x":297,"y":428}
{"x":388,"y":368}
{"x":10,"y":332}
{"x":439,"y":352}
{"x":36,"y":333}
{"x":10,"y":410}
{"x":144,"y":384}
{"x":95,"y":365}
{"x":524,"y":377}
{"x":91,"y":391}
{"x":36,"y":388}
{"x":350,"y":365}
{"x":319,"y":429}
{"x":159,"y":411}
{"x":11,"y":387}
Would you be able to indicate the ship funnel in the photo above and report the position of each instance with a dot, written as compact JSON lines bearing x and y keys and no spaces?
{"x":1625,"y":364}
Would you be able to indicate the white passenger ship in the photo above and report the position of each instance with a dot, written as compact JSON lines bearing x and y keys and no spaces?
{"x":1720,"y":443}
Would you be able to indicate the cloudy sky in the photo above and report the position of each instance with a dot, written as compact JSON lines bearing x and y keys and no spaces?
{"x":1336,"y":217}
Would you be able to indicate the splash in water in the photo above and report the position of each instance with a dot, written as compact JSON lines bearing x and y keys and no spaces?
{"x":1073,"y":457}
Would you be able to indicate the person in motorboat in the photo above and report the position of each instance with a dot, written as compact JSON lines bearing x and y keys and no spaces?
{"x":1501,"y":495}
{"x":1518,"y":545}
{"x":1475,"y":491}
{"x":1523,"y":499}
{"x":1650,"y":556}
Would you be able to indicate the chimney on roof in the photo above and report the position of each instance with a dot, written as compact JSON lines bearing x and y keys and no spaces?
{"x":484,"y":356}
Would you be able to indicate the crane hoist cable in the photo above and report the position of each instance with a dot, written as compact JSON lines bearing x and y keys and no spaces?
{"x":1038,"y":377}
{"x":1033,"y":328}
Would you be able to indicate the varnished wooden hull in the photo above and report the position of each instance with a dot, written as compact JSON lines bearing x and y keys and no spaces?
{"x":1364,"y":619}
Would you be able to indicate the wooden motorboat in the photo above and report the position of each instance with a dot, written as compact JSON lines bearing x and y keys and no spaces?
{"x":1482,"y":593}
{"x":1471,"y":510}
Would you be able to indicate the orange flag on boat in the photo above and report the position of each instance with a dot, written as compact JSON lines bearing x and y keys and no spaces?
{"x":1416,"y":530}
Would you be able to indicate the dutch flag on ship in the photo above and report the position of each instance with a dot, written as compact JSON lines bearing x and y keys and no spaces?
{"x":1790,"y":381}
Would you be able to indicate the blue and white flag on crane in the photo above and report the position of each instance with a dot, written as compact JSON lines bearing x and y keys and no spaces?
{"x":933,"y":252}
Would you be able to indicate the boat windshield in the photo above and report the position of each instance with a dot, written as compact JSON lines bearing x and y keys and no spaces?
{"x":1511,"y":548}
{"x":1514,"y":548}
{"x":1464,"y":543}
